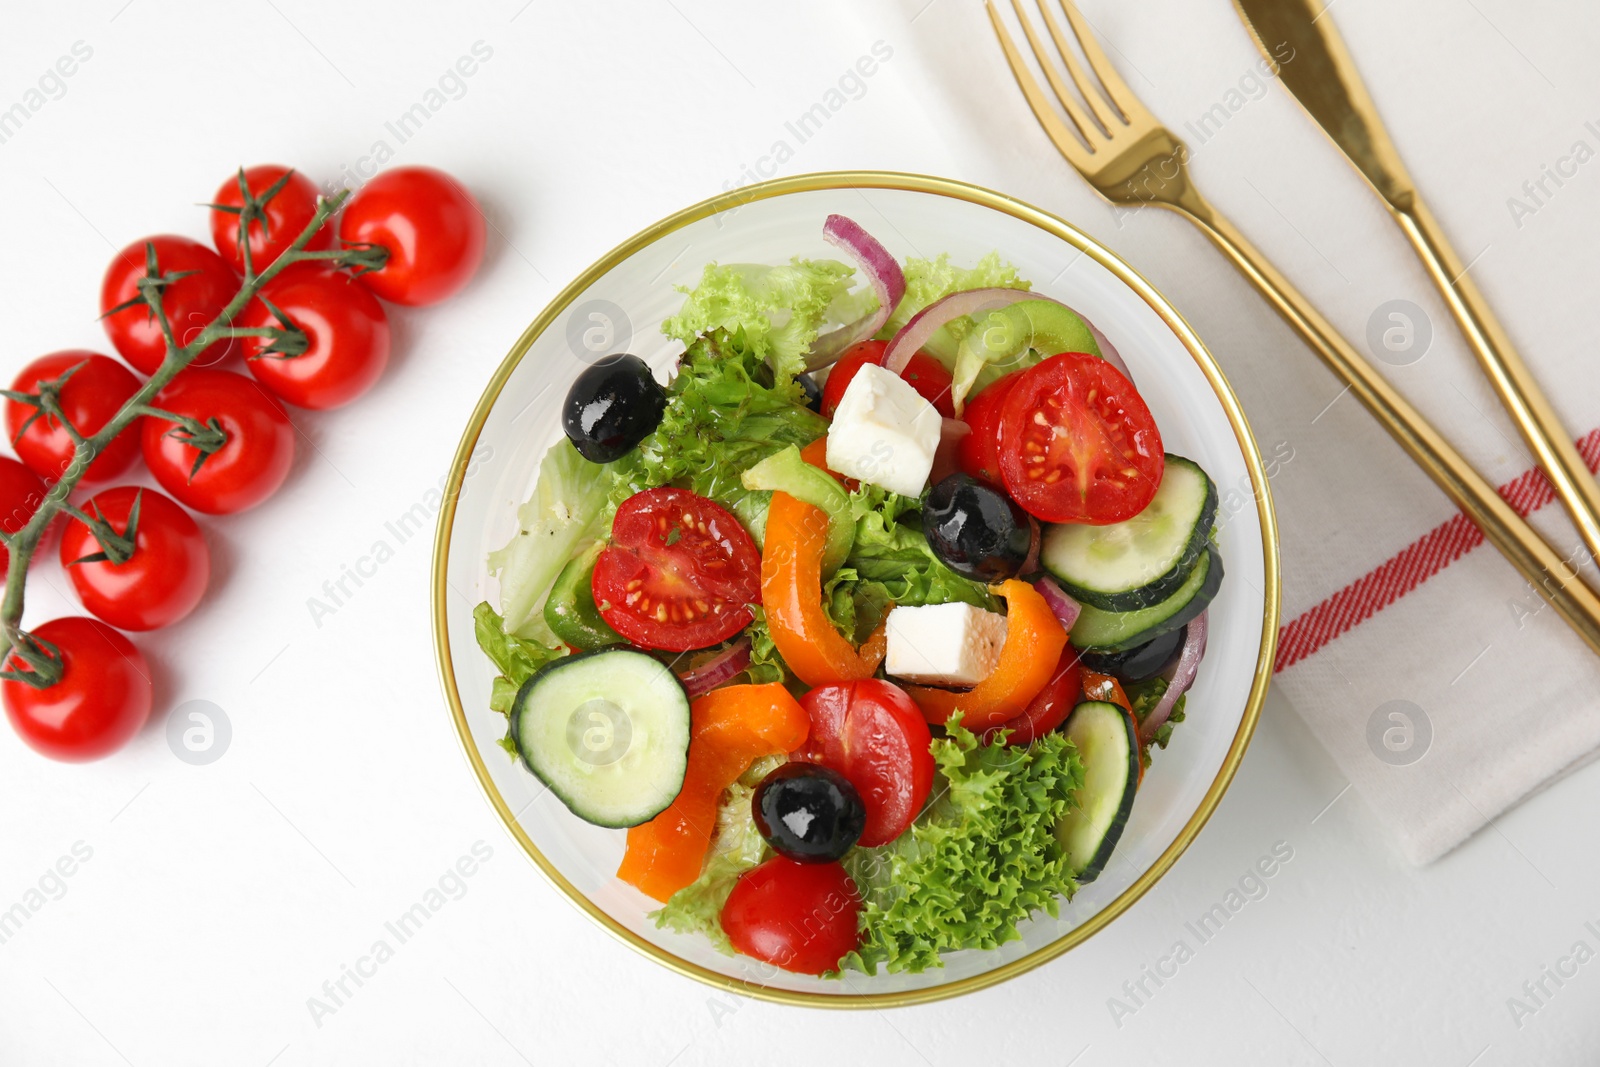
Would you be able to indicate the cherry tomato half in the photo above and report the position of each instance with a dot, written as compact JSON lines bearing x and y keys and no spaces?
{"x":289,"y":212}
{"x":430,"y":224}
{"x":100,"y":702}
{"x":926,"y":375}
{"x":347,"y":334}
{"x":21,"y":493}
{"x":978,"y":453}
{"x":679,"y":573}
{"x":1051,"y":707}
{"x":801,"y":917}
{"x":97,"y":388}
{"x":161,"y":582}
{"x":872,"y":733}
{"x":244,"y":471}
{"x":1077,"y":443}
{"x":191,"y":302}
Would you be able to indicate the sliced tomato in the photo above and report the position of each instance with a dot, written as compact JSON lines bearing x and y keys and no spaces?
{"x":872,"y":733}
{"x":1051,"y":707}
{"x":925,"y":374}
{"x":679,"y":574}
{"x":1077,"y":443}
{"x":978,"y":453}
{"x":1105,"y":687}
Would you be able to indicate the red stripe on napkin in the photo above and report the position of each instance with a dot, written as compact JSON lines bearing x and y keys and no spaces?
{"x":1412,"y":565}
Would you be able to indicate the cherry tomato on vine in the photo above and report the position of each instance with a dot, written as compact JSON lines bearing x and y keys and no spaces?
{"x":802,"y":917}
{"x":288,"y":212}
{"x":160,"y":582}
{"x":978,"y":453}
{"x":679,"y":573}
{"x":347,"y":337}
{"x":96,"y":388}
{"x":100,"y":701}
{"x":191,"y":302}
{"x":431,"y":226}
{"x":247,"y":469}
{"x":21,"y":493}
{"x":926,"y":375}
{"x":1077,"y":443}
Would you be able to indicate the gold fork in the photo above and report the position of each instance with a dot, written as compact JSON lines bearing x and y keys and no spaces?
{"x":1130,"y":158}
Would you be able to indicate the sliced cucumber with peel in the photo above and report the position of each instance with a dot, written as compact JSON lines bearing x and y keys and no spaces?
{"x":1108,"y":745}
{"x":1141,"y":562}
{"x":608,"y":732}
{"x":1112,"y":631}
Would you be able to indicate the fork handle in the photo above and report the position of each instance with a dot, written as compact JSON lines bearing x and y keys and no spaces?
{"x":1552,"y":576}
{"x":1551,"y":444}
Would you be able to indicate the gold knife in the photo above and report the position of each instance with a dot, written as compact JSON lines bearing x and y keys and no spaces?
{"x":1322,"y":77}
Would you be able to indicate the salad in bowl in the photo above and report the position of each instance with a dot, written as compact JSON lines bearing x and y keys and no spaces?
{"x":860,"y":625}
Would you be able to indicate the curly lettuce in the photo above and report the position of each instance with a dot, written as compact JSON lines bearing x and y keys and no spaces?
{"x":779,"y":311}
{"x":978,"y":861}
{"x":1144,"y":696}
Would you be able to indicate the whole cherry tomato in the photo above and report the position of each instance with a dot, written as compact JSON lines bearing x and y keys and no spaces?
{"x":978,"y":453}
{"x":802,"y":917}
{"x":926,"y":375}
{"x":430,"y":224}
{"x":100,"y":701}
{"x":96,"y":388}
{"x":347,"y":337}
{"x":160,"y":582}
{"x":287,"y":213}
{"x":247,"y":469}
{"x":21,"y":493}
{"x":191,"y":302}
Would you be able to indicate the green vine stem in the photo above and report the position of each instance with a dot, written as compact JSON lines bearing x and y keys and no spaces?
{"x":43,"y":663}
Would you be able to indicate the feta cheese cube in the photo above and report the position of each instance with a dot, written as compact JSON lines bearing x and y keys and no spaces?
{"x":944,"y":644}
{"x":884,"y":432}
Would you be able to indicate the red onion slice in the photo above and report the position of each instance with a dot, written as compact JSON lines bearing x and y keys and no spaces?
{"x":724,"y":665}
{"x":1194,"y":647}
{"x":1065,"y":608}
{"x":925,"y":323}
{"x":1108,"y":351}
{"x":883,"y":273}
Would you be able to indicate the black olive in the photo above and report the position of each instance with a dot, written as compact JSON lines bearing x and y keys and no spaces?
{"x":976,"y":530}
{"x":1140,"y":662}
{"x":808,"y":812}
{"x":612,"y":407}
{"x":813,"y":392}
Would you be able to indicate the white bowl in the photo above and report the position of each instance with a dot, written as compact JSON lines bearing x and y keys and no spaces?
{"x":618,"y":305}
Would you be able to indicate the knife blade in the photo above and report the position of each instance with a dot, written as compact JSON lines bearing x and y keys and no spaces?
{"x":1314,"y":65}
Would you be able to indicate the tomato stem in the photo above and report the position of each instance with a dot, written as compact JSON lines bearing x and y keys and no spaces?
{"x":41,"y":660}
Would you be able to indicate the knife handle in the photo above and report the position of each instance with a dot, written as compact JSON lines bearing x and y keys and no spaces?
{"x":1521,"y":396}
{"x":1552,"y":576}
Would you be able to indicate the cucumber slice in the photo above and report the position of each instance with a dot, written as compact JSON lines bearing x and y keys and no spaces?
{"x":608,"y":732}
{"x":1016,"y":337}
{"x":1109,"y":748}
{"x":1141,"y":562}
{"x":1112,"y":631}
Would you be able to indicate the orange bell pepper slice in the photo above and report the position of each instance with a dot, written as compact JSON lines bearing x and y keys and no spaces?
{"x":729,"y":729}
{"x":1034,"y":640}
{"x":791,"y":594}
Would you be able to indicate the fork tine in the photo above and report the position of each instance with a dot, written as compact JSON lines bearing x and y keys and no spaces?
{"x":1115,"y":87}
{"x":1109,"y":116}
{"x":1066,"y":143}
{"x":1086,"y":127}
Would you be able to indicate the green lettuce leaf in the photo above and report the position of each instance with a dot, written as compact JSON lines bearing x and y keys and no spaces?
{"x":979,"y":860}
{"x":928,"y":280}
{"x":725,"y":413}
{"x":778,"y":310}
{"x":736,"y":847}
{"x":567,"y":512}
{"x":516,"y":658}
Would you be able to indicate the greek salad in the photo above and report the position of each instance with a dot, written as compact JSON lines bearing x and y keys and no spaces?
{"x":864,"y":625}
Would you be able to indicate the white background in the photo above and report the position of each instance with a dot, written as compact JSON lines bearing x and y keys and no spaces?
{"x":218,"y":899}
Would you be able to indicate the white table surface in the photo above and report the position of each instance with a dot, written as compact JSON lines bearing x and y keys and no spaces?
{"x":216,"y":900}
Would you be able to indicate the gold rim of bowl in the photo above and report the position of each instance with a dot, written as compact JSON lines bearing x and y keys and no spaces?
{"x":958,"y":191}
